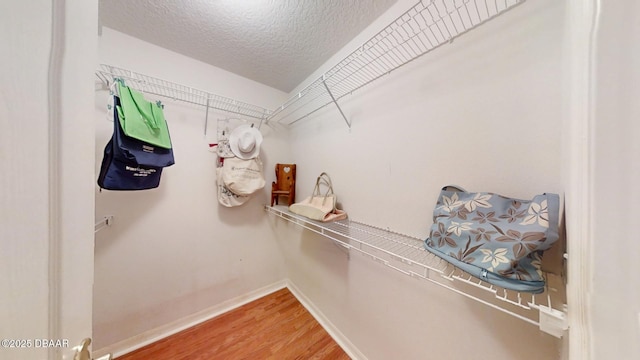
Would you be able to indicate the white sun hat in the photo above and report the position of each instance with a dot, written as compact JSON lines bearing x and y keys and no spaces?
{"x":245,"y":141}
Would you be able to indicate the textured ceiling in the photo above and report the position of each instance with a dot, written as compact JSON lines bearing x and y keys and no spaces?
{"x":275,"y":42}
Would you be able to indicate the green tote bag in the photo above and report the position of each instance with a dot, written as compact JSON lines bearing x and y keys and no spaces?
{"x":142,"y":119}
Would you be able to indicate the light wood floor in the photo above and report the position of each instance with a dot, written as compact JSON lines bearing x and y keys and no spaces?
{"x":276,"y":326}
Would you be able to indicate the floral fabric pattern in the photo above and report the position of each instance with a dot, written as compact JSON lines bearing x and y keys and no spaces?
{"x":492,"y":233}
{"x":496,"y":257}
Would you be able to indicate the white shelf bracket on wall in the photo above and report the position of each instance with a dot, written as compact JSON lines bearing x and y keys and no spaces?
{"x":407,"y":255}
{"x":106,"y":221}
{"x":336,"y":103}
{"x":206,"y":118}
{"x":553,"y":321}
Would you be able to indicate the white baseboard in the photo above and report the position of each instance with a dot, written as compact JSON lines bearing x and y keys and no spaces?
{"x":128,"y":345}
{"x":333,"y":331}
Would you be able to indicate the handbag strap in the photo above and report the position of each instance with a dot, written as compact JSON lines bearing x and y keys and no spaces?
{"x":327,"y":181}
{"x":323,"y":178}
{"x":454,"y":188}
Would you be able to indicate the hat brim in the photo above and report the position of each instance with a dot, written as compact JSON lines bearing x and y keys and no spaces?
{"x":235,"y":136}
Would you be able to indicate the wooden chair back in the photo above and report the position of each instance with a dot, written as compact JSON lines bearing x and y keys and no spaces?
{"x":285,"y":184}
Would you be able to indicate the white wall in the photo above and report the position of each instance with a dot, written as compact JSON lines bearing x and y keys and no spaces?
{"x":74,"y":165}
{"x":173,"y":251}
{"x":577,"y":172}
{"x":484,"y":113}
{"x":46,"y":202}
{"x":24,"y":209}
{"x":615,"y":294}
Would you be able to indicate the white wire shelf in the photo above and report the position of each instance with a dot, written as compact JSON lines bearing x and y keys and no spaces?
{"x":407,"y":255}
{"x":151,"y":85}
{"x":423,"y":28}
{"x":426,"y":26}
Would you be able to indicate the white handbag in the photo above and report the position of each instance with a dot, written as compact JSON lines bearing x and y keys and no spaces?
{"x":318,"y":206}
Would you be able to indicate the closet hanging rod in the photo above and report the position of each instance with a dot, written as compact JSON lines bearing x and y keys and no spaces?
{"x":155,"y":86}
{"x":423,"y":28}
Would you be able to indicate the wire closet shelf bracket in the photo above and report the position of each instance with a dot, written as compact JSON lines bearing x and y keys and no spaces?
{"x":407,"y":255}
{"x":426,"y":26}
{"x":103,"y":223}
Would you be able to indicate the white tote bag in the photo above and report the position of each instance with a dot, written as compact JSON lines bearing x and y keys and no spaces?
{"x":243,"y":177}
{"x":225,"y":196}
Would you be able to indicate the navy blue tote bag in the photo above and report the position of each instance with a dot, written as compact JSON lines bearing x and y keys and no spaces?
{"x":118,"y":175}
{"x":131,"y":150}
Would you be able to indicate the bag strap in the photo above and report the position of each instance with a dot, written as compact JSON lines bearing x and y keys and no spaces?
{"x":144,"y":107}
{"x":326,"y":180}
{"x":454,"y":188}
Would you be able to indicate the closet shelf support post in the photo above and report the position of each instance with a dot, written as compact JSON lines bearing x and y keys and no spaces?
{"x":335,"y":102}
{"x":206,"y":117}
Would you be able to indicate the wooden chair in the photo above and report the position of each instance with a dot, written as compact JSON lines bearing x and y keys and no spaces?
{"x":285,"y":184}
